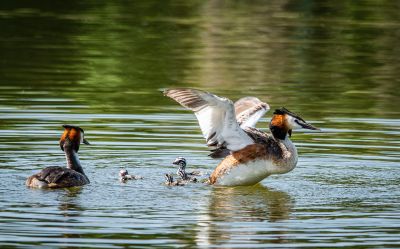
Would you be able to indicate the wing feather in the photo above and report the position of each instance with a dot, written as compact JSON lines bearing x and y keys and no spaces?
{"x":216,"y":117}
{"x":249,"y":110}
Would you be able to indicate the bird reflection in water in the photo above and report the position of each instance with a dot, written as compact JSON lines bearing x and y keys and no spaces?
{"x":68,"y":202}
{"x":71,"y":210}
{"x":244,"y":205}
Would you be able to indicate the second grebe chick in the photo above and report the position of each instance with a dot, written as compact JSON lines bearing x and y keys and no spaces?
{"x":169,"y":180}
{"x":61,"y":177}
{"x":181,"y":162}
{"x":124,"y":176}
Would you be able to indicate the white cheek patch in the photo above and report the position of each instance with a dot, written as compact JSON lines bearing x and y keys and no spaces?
{"x":81,"y":138}
{"x":291,"y":121}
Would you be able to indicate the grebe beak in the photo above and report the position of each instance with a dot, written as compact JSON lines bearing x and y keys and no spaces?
{"x":86,"y":141}
{"x":306,"y":125}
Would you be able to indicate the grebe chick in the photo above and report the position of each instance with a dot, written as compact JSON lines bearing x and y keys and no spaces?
{"x":250,"y":155}
{"x":169,"y":180}
{"x":124,"y":176}
{"x":62,"y":177}
{"x":181,"y":162}
{"x":185,"y":177}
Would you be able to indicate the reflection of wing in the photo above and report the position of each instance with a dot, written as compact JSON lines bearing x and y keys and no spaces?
{"x":249,"y":110}
{"x":216,"y":117}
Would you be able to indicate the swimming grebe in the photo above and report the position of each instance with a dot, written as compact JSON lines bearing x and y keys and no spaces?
{"x":61,"y":177}
{"x":169,"y":180}
{"x":181,"y":162}
{"x":124,"y":176}
{"x":253,"y":154}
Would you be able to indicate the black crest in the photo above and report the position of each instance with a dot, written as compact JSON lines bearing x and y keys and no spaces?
{"x":66,"y":126}
{"x":283,"y":110}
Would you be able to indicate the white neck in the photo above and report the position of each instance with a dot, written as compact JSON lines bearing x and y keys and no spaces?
{"x":289,"y":156}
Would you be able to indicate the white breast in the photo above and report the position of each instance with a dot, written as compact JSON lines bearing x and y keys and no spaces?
{"x":252,"y":173}
{"x":255,"y":171}
{"x":246,"y":174}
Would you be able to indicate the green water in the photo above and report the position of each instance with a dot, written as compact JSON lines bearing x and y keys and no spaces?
{"x":102,"y":64}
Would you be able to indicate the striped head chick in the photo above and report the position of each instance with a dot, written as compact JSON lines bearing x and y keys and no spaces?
{"x":284,"y":121}
{"x":125,"y":176}
{"x":181,"y":162}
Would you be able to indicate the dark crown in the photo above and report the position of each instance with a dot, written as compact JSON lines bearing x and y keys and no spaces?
{"x":283,"y":110}
{"x":66,"y":126}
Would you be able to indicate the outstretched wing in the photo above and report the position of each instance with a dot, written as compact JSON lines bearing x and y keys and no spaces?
{"x":249,"y":110}
{"x":216,"y":117}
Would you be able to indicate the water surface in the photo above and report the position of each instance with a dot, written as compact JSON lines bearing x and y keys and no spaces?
{"x":101,"y":65}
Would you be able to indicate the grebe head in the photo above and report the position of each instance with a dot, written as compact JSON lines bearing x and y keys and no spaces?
{"x":72,"y":137}
{"x":123,"y":172}
{"x":283,"y":122}
{"x":169,"y":179}
{"x":181,"y":161}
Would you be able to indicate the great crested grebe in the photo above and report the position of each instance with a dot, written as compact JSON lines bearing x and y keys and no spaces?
{"x":250,"y":155}
{"x":187,"y":176}
{"x":61,"y":177}
{"x":125,"y":176}
{"x":169,"y":180}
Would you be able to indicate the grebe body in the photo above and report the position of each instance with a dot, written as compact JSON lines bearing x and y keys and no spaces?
{"x":249,"y":155}
{"x":63,"y":177}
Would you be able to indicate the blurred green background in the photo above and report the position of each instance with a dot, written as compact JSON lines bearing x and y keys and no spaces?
{"x":313,"y":56}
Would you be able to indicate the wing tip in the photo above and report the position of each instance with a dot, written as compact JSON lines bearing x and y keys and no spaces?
{"x":167,"y":91}
{"x":189,"y":98}
{"x":265,"y":106}
{"x":170,"y":91}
